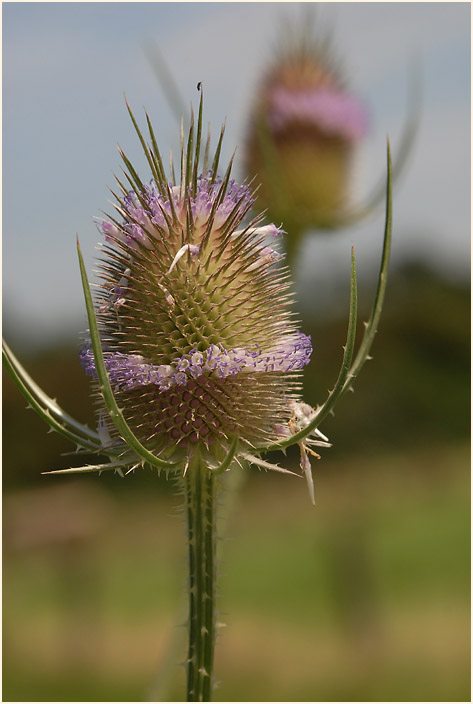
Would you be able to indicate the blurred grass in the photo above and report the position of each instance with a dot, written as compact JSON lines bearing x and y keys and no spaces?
{"x":91,"y":619}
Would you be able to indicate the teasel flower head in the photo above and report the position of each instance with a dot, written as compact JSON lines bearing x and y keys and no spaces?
{"x":194,"y":351}
{"x":198,"y":338}
{"x":303,"y":129}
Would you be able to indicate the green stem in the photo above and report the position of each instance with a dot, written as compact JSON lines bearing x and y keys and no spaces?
{"x":200,"y":485}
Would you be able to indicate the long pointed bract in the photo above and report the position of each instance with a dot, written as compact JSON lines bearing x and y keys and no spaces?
{"x":372,"y":325}
{"x":47,"y":407}
{"x":115,"y":414}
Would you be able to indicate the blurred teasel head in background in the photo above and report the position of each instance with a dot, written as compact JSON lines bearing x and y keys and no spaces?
{"x":303,"y":129}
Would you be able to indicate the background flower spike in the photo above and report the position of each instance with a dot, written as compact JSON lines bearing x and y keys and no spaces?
{"x":166,"y":79}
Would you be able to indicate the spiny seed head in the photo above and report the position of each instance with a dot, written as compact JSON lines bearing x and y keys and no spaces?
{"x":301,"y":136}
{"x":199,"y":341}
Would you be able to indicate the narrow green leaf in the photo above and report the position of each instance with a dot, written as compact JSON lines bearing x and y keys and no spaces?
{"x":47,"y":408}
{"x":345,"y":370}
{"x":105,"y":387}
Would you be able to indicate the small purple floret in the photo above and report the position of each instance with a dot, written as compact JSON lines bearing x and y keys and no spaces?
{"x":128,"y":371}
{"x":156,"y":209}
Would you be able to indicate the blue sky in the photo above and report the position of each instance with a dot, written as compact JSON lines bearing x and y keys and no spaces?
{"x":67,"y":65}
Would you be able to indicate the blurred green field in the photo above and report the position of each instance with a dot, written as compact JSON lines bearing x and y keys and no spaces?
{"x":364,"y":598}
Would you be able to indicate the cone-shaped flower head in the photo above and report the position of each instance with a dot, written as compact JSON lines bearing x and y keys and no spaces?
{"x":194,"y":314}
{"x":301,"y":136}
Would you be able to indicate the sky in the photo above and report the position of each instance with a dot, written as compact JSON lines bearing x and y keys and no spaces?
{"x":66,"y":67}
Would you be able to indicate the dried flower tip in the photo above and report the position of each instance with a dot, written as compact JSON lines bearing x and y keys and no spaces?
{"x":193,"y":249}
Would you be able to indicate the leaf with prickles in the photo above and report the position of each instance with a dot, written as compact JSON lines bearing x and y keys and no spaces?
{"x":47,"y":408}
{"x":115,"y":413}
{"x":342,"y":376}
{"x":345,"y":370}
{"x":91,"y":468}
{"x":228,"y":459}
{"x":372,"y":325}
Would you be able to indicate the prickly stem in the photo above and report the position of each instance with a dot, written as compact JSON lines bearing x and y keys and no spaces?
{"x":200,"y":488}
